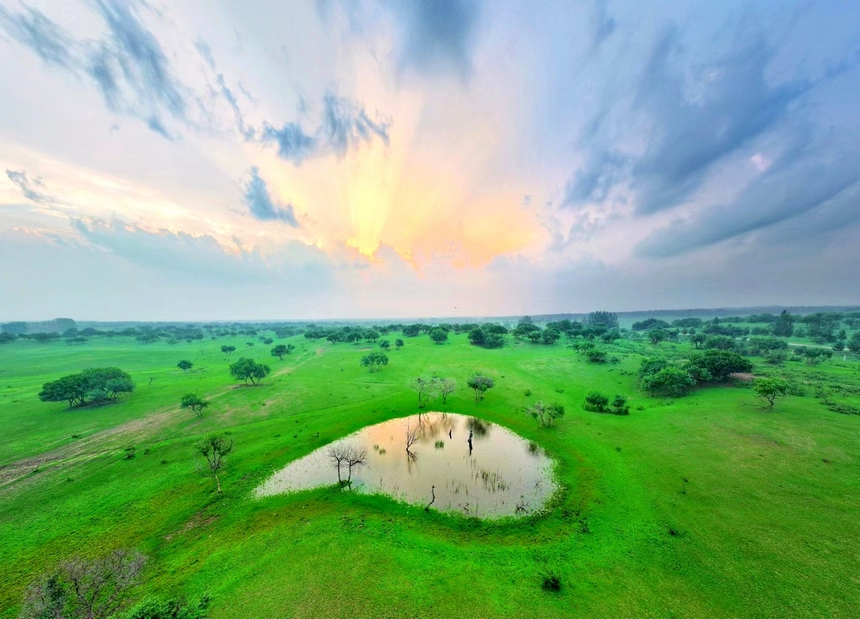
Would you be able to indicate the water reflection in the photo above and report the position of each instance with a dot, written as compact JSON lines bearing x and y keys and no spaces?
{"x":453,"y":462}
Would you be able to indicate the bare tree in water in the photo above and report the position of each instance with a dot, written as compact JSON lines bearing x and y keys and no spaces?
{"x":337,"y":454}
{"x":355,"y":456}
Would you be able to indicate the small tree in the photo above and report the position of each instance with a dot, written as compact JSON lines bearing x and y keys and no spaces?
{"x":425,"y":388}
{"x":480,"y":384}
{"x":228,"y":350}
{"x":384,"y":344}
{"x":398,"y":343}
{"x":447,"y":386}
{"x":214,"y":448}
{"x":545,"y":414}
{"x":194,"y":402}
{"x":439,"y":335}
{"x":656,"y":336}
{"x":185,"y":365}
{"x":83,"y":588}
{"x":374,"y":361}
{"x":282,"y":349}
{"x":769,"y":389}
{"x":249,"y":371}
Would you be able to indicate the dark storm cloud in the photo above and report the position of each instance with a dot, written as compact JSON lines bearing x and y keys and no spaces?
{"x":344,"y":125}
{"x":693,"y":124}
{"x":260,"y":204}
{"x":791,"y":189}
{"x":32,"y":188}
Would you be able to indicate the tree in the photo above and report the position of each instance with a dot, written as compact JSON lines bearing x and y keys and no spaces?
{"x":607,"y":319}
{"x":214,"y":448}
{"x":439,"y":335}
{"x":769,"y":389}
{"x":398,"y":343}
{"x":249,"y":371}
{"x":425,"y":388}
{"x":282,"y":349}
{"x":480,"y":385}
{"x":194,"y":402}
{"x":374,"y":361}
{"x":384,"y":344}
{"x":656,"y":336}
{"x":716,"y":365}
{"x":447,"y":386}
{"x":854,"y":342}
{"x":545,"y":414}
{"x":185,"y":365}
{"x":228,"y":350}
{"x":783,"y":326}
{"x":84,"y":589}
{"x":477,"y":337}
{"x":698,"y":339}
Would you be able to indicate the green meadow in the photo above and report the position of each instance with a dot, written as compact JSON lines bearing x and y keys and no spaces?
{"x":703,"y":506}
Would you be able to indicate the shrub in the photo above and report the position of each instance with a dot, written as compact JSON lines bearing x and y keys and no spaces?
{"x":597,"y":402}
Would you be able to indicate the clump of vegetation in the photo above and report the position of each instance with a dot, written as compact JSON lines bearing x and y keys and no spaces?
{"x":599,"y":403}
{"x":769,"y":389}
{"x":174,"y":608}
{"x":91,"y":386}
{"x":545,"y":414}
{"x":185,"y":365}
{"x":375,"y":361}
{"x":439,"y":444}
{"x":551,"y":582}
{"x":281,"y":350}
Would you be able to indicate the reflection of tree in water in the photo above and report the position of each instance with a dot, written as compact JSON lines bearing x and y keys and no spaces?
{"x":492,"y":481}
{"x":479,"y":427}
{"x":432,"y":426}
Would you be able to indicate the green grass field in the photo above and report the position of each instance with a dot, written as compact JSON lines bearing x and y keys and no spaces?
{"x":768,"y":524}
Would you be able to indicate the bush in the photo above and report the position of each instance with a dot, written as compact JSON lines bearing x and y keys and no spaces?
{"x":152,"y":608}
{"x":670,"y":381}
{"x":596,"y":402}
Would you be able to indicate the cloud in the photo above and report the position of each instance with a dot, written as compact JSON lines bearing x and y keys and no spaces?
{"x":695,"y":118}
{"x":33,"y":189}
{"x":344,"y":125}
{"x":127,"y":64}
{"x":436,"y":36}
{"x":797,"y":185}
{"x":604,"y":24}
{"x":202,"y":256}
{"x":260,"y":204}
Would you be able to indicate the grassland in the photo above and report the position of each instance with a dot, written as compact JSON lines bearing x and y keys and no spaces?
{"x":765,"y":526}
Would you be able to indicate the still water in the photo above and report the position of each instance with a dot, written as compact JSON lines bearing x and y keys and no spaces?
{"x":471,"y":466}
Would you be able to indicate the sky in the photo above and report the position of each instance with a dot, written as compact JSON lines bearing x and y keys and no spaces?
{"x":239,"y":160}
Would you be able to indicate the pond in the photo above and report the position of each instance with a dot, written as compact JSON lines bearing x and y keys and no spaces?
{"x":453,"y":463}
